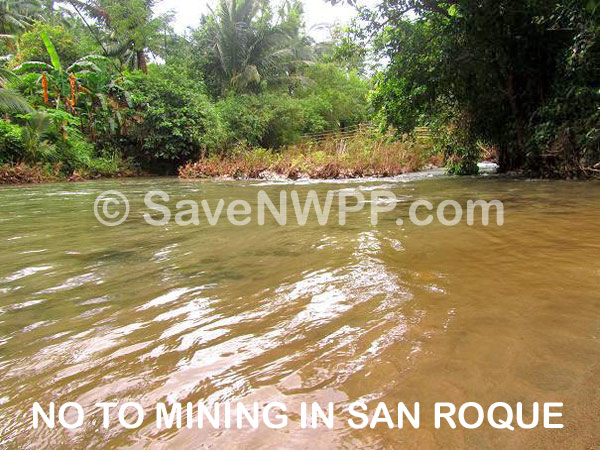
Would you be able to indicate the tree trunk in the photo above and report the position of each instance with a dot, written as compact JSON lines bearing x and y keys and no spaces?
{"x":50,"y":9}
{"x":142,"y":62}
{"x":513,"y":158}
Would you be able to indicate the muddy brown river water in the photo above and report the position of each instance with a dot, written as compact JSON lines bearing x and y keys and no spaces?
{"x":301,"y":314}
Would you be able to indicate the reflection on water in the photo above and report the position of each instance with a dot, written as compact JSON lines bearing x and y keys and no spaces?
{"x":300,"y":314}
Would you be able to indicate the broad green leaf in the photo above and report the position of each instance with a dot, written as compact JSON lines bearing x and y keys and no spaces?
{"x":51,"y":51}
{"x":103,"y":101}
{"x":80,"y":65}
{"x":31,"y":66}
{"x":128,"y":99}
{"x":95,"y":59}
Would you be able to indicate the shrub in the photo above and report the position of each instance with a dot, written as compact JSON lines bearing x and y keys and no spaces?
{"x":273,"y":120}
{"x":337,"y":96}
{"x":12,"y":147}
{"x":265,"y":120}
{"x":287,"y":120}
{"x":565,"y":141}
{"x":245,"y":118}
{"x":460,"y":150}
{"x":74,"y":152}
{"x":69,"y":44}
{"x":317,"y":110}
{"x":105,"y":166}
{"x":78,"y":156}
{"x":173,"y":120}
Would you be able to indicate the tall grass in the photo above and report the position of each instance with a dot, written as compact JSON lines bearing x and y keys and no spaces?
{"x":365,"y":154}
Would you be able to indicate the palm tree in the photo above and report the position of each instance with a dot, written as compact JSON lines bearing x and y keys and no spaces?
{"x":16,"y":15}
{"x":10,"y":101}
{"x":92,"y":8}
{"x":35,"y":134}
{"x":244,"y":46}
{"x":131,"y":29}
{"x":302,"y":47}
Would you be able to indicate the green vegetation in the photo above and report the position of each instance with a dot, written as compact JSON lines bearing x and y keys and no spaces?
{"x":107,"y":88}
{"x":522,"y":76}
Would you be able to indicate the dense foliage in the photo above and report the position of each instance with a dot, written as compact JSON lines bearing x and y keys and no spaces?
{"x":520,"y":75}
{"x":172,"y":121}
{"x":97,"y":85}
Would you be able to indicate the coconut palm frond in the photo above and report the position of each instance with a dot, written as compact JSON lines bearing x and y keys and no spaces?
{"x":6,"y":76}
{"x":245,"y":46}
{"x":91,"y":8}
{"x":16,"y":15}
{"x":12,"y":102}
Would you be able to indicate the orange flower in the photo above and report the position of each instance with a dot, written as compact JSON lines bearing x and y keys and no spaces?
{"x":45,"y":87}
{"x":73,"y":83}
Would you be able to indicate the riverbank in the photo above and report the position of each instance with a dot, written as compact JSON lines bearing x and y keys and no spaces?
{"x":333,"y":159}
{"x":359,"y":157}
{"x":22,"y":173}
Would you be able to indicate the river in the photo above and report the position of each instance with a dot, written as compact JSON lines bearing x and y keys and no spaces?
{"x":295,"y":314}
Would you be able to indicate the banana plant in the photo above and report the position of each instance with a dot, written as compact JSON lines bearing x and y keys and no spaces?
{"x":64,"y":83}
{"x":86,"y":88}
{"x":52,"y":75}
